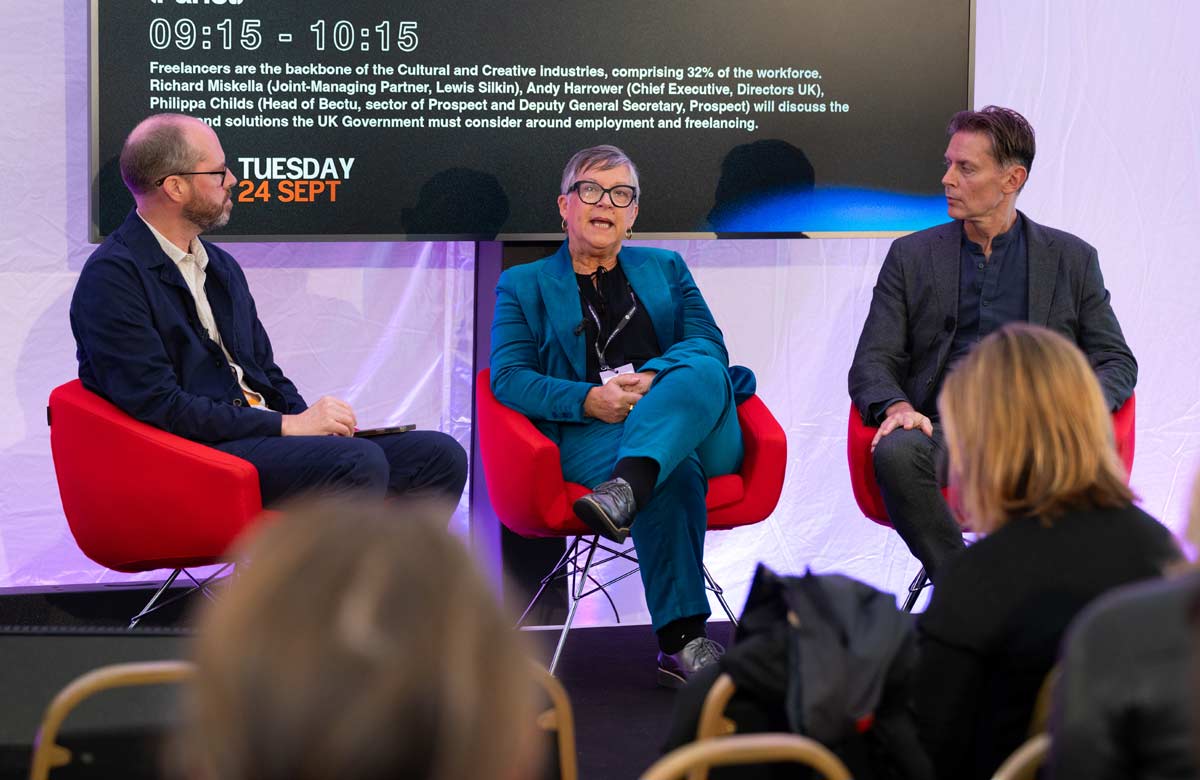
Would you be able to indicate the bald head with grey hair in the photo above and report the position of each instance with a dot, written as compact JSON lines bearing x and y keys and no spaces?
{"x":157,"y":147}
{"x":604,"y":158}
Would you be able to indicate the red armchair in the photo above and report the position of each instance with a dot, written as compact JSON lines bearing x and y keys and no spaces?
{"x":138,"y":498}
{"x":531,"y":498}
{"x":870,"y":500}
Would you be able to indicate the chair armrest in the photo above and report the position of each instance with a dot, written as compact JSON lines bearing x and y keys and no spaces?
{"x":1125,"y":433}
{"x":522,"y":466}
{"x":862,"y":468}
{"x":765,"y":458}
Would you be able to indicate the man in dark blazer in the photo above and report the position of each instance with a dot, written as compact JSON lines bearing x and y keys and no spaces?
{"x":167,"y":330}
{"x":943,"y":289}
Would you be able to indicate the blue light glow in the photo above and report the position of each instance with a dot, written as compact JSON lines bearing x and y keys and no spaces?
{"x":833,"y":209}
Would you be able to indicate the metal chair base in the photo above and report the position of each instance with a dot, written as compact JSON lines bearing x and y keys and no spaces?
{"x":198,"y":586}
{"x":580,"y":576}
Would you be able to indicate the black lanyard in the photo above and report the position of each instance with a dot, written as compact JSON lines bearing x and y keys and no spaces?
{"x":600,"y":352}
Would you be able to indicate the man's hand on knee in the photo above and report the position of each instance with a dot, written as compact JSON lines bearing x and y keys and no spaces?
{"x":327,"y":417}
{"x":902,"y":415}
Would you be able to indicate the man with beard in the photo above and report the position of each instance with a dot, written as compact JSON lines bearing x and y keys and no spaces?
{"x":167,"y":330}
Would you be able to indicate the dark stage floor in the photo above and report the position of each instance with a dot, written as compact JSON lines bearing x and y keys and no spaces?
{"x":621,"y":715}
{"x":49,"y":636}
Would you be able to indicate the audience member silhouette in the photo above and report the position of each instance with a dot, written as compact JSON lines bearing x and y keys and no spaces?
{"x":1124,"y":706}
{"x":360,"y":642}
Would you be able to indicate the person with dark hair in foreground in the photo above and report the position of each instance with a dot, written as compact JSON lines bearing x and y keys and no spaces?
{"x":1031,"y":451}
{"x":371,"y":654}
{"x":1125,"y":706}
{"x":943,"y":289}
{"x":613,"y":354}
{"x":166,"y":329}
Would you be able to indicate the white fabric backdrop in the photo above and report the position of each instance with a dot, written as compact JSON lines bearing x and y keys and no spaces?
{"x":1111,"y":89}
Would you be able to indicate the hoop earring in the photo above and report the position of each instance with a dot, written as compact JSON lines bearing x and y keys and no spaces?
{"x":564,"y":225}
{"x":628,"y":233}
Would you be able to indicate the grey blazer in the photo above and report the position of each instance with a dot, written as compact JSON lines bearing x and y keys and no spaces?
{"x":906,"y":339}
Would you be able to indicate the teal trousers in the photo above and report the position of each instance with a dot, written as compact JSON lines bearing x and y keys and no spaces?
{"x":688,"y":424}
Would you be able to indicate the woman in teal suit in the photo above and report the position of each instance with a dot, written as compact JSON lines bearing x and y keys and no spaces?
{"x":613,"y":354}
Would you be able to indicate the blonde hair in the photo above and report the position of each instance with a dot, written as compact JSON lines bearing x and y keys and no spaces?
{"x":362,"y":642}
{"x":1028,"y":431}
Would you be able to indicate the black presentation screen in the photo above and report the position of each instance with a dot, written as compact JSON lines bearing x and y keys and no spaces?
{"x":452,"y":119}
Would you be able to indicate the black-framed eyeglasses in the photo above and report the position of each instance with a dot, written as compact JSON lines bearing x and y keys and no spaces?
{"x":622,"y":196}
{"x":224,"y":170}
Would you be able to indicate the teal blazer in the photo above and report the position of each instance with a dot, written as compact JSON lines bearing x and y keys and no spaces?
{"x":539,"y":357}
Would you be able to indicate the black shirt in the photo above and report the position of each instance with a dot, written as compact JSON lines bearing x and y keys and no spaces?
{"x":607,"y":301}
{"x":991,"y":290}
{"x":1000,"y":608}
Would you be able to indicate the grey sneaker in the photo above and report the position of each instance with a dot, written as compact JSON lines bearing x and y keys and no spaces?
{"x":608,"y":509}
{"x":674,"y":669}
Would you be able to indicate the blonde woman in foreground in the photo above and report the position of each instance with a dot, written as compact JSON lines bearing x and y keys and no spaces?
{"x":361,"y":642}
{"x":1031,"y":455}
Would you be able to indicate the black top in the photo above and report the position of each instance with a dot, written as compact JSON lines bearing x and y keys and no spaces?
{"x":993,"y":627}
{"x":607,"y":297}
{"x":991,"y":290}
{"x":1123,"y":708}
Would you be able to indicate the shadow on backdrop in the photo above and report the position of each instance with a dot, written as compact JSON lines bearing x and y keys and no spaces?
{"x":754,"y":173}
{"x":458,"y":201}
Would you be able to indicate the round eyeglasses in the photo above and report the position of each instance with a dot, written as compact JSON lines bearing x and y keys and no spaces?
{"x":622,"y":195}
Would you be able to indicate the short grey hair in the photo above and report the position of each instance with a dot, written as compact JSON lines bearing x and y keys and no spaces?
{"x":605,"y":158}
{"x":157,"y":147}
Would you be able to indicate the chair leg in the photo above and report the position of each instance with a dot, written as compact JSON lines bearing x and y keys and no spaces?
{"x":914,"y":590}
{"x":562,"y":565}
{"x":197,"y":585}
{"x":205,"y":591}
{"x":146,"y":610}
{"x":576,"y":595}
{"x":719,"y":592}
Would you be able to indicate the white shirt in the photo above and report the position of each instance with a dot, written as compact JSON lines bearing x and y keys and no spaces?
{"x":192,"y":265}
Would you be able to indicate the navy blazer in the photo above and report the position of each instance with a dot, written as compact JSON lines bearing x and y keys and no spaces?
{"x":539,"y":355}
{"x":140,"y":343}
{"x":906,"y":339}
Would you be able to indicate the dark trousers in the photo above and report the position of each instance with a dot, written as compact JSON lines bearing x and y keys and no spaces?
{"x":906,"y":469}
{"x":426,"y":464}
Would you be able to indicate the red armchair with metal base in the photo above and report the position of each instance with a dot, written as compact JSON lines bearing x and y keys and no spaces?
{"x":531,"y":498}
{"x":138,"y":498}
{"x":870,"y":500}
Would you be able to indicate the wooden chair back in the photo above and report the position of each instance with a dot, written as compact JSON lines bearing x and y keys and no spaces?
{"x":559,"y":719}
{"x":748,"y":749}
{"x":47,"y":753}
